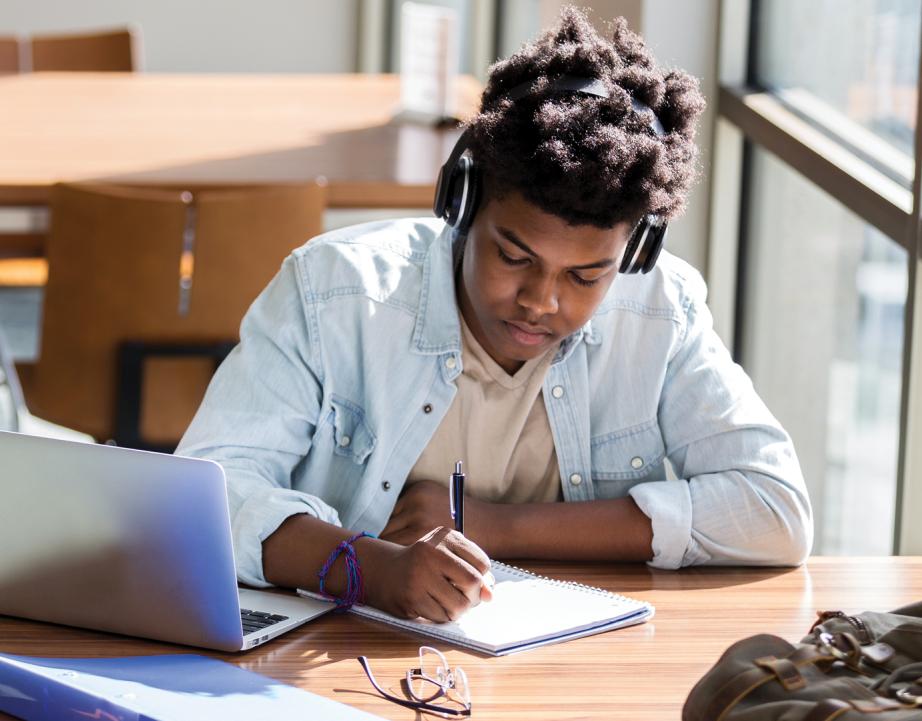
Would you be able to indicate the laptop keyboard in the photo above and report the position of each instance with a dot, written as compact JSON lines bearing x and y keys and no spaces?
{"x":258,"y":620}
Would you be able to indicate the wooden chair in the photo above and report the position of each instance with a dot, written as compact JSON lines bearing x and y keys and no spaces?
{"x":146,"y":291}
{"x":109,"y":51}
{"x":9,"y":55}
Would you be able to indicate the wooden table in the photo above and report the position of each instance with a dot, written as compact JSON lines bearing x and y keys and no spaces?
{"x":637,"y":673}
{"x":217,"y":130}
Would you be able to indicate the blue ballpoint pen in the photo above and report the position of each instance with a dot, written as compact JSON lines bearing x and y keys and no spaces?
{"x":456,"y":497}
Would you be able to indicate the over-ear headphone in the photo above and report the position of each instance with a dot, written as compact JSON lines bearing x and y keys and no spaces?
{"x":457,"y":192}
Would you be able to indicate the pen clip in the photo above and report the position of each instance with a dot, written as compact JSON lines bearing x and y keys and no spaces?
{"x":455,"y":482}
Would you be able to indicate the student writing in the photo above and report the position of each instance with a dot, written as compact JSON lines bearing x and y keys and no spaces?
{"x":509,"y":337}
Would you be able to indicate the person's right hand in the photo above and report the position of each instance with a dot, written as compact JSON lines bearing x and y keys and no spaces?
{"x":438,"y":577}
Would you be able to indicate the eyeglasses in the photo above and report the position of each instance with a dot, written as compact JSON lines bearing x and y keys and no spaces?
{"x":431,"y":681}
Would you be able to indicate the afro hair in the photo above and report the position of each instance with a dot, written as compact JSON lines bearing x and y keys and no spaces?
{"x":586,"y":159}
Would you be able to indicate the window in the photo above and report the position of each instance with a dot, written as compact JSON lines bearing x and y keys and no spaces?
{"x":824,"y":299}
{"x":852,"y":66}
{"x":825,"y":95}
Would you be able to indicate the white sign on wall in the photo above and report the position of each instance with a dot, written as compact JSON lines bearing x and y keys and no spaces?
{"x":428,"y":61}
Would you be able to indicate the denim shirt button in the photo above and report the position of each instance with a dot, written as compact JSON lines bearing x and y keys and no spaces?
{"x":345,"y":441}
{"x":557,"y":391}
{"x":427,"y":408}
{"x":386,"y":485}
{"x":450,"y":363}
{"x":637,"y":462}
{"x":576,"y":479}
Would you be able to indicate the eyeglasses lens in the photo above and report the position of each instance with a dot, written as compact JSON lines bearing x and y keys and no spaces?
{"x":460,"y":691}
{"x":431,"y":682}
{"x":450,"y":682}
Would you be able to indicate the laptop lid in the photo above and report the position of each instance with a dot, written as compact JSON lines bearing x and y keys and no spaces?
{"x":117,"y":540}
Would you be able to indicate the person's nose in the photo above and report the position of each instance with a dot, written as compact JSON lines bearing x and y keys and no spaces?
{"x":539,"y":295}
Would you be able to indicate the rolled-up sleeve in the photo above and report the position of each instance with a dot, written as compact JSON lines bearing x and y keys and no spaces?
{"x":258,"y":419}
{"x":740,"y":496}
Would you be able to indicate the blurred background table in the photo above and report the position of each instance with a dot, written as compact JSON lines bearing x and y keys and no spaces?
{"x":194,"y":130}
{"x":638,"y":673}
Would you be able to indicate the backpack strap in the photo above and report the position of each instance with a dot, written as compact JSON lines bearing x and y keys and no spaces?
{"x":767,"y":668}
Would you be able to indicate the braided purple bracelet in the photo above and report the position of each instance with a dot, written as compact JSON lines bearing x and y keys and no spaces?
{"x":355,"y":585}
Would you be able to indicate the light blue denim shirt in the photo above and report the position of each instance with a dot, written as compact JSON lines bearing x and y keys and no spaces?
{"x":347,"y":364}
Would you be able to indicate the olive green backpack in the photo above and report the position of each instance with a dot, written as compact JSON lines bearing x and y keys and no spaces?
{"x":849,"y":668}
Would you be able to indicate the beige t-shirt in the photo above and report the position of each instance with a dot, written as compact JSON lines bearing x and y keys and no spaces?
{"x":497,"y":425}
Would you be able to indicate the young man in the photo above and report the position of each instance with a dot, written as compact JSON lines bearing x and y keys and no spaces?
{"x":508,"y":338}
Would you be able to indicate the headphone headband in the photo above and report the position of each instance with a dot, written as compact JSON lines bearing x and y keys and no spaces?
{"x":563,"y":84}
{"x":587,"y":86}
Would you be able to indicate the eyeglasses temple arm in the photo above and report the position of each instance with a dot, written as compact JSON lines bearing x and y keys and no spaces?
{"x":404,"y":702}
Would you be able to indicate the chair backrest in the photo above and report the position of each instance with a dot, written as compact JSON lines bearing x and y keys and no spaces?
{"x":9,"y":54}
{"x":157,"y":267}
{"x":112,"y":51}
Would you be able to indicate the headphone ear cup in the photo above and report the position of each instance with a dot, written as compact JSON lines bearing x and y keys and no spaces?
{"x":470,"y":199}
{"x":655,"y":244}
{"x":456,"y":188}
{"x":630,"y":250}
{"x":644,"y":246}
{"x":452,"y":191}
{"x":440,"y":201}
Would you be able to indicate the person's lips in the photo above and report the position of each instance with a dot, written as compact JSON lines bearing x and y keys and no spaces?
{"x":527,"y":334}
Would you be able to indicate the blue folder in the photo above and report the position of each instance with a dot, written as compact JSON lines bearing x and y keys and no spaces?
{"x":185,"y":687}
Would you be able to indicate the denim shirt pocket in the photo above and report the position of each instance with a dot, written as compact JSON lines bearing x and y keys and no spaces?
{"x":624,"y":458}
{"x":352,"y":436}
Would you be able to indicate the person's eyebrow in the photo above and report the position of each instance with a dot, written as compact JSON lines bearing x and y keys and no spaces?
{"x":515,"y":240}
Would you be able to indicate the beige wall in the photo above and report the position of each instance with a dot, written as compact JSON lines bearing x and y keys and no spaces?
{"x":210,"y":35}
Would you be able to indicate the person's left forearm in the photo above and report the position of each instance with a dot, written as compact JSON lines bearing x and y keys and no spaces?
{"x":609,"y":530}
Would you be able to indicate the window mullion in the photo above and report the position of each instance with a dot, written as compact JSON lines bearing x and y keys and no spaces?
{"x":861,"y":188}
{"x":907,"y":530}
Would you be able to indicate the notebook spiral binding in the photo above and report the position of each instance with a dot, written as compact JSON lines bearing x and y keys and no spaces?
{"x":582,"y":587}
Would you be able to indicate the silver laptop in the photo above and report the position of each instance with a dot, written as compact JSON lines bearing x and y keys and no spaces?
{"x":130,"y":542}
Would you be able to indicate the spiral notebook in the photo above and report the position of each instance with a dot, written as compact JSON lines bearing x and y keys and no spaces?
{"x":527,"y":611}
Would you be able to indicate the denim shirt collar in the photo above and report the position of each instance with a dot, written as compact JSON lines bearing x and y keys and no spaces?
{"x":438,"y":328}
